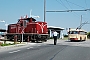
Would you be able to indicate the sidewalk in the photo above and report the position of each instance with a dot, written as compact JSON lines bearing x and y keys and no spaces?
{"x":50,"y":41}
{"x":16,"y":45}
{"x":11,"y":46}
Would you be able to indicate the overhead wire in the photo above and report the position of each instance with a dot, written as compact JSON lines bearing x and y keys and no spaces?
{"x":71,"y":8}
{"x":86,"y":7}
{"x":86,"y":3}
{"x":68,"y":3}
{"x":76,"y":4}
{"x":75,"y":14}
{"x":61,"y":3}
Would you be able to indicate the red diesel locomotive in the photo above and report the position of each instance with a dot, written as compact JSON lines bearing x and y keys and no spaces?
{"x":31,"y":29}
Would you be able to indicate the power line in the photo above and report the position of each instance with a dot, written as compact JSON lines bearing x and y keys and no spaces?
{"x":71,"y":8}
{"x":61,"y":4}
{"x":86,"y":3}
{"x":82,"y":24}
{"x":75,"y":4}
{"x":68,"y":4}
{"x":64,"y":4}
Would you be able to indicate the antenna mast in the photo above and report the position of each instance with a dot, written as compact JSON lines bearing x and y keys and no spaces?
{"x":31,"y":13}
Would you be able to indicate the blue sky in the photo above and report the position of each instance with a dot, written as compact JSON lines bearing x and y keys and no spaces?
{"x":11,"y":10}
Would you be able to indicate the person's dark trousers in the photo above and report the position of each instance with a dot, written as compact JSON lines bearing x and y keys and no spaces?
{"x":55,"y":40}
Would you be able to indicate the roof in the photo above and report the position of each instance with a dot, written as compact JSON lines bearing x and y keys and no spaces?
{"x":53,"y":27}
{"x":28,"y":19}
{"x":77,"y":30}
{"x":2,"y":30}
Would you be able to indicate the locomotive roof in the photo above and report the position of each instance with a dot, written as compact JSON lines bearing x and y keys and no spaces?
{"x":29,"y":19}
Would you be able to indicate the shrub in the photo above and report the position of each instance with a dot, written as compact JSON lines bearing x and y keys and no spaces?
{"x":65,"y":35}
{"x":88,"y":34}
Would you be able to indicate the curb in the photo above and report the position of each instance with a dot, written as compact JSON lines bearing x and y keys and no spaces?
{"x":11,"y":46}
{"x":16,"y":45}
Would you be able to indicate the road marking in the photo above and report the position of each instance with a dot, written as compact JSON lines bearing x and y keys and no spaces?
{"x":11,"y":52}
{"x":18,"y":50}
{"x":38,"y":45}
{"x":15,"y":51}
{"x":29,"y":47}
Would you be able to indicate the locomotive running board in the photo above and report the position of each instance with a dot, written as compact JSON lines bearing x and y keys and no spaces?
{"x":27,"y":33}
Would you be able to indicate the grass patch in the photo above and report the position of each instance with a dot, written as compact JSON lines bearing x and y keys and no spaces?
{"x":65,"y":38}
{"x":7,"y":44}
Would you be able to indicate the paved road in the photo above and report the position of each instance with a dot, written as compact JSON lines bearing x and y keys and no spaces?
{"x":64,"y":50}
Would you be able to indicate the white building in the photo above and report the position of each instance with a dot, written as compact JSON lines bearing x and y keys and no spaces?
{"x":59,"y":30}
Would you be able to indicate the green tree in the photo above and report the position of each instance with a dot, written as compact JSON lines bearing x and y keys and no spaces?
{"x":88,"y":34}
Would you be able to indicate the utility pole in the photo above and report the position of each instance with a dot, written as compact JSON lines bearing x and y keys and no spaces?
{"x":44,"y":10}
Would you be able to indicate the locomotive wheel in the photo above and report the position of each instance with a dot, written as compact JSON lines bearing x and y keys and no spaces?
{"x":33,"y":41}
{"x":45,"y":40}
{"x":36,"y":41}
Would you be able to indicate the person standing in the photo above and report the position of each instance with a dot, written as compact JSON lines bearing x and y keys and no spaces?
{"x":55,"y":37}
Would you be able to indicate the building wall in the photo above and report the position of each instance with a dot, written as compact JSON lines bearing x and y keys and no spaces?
{"x":50,"y":32}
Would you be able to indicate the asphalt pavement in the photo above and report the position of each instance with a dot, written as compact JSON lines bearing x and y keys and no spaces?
{"x":64,"y":50}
